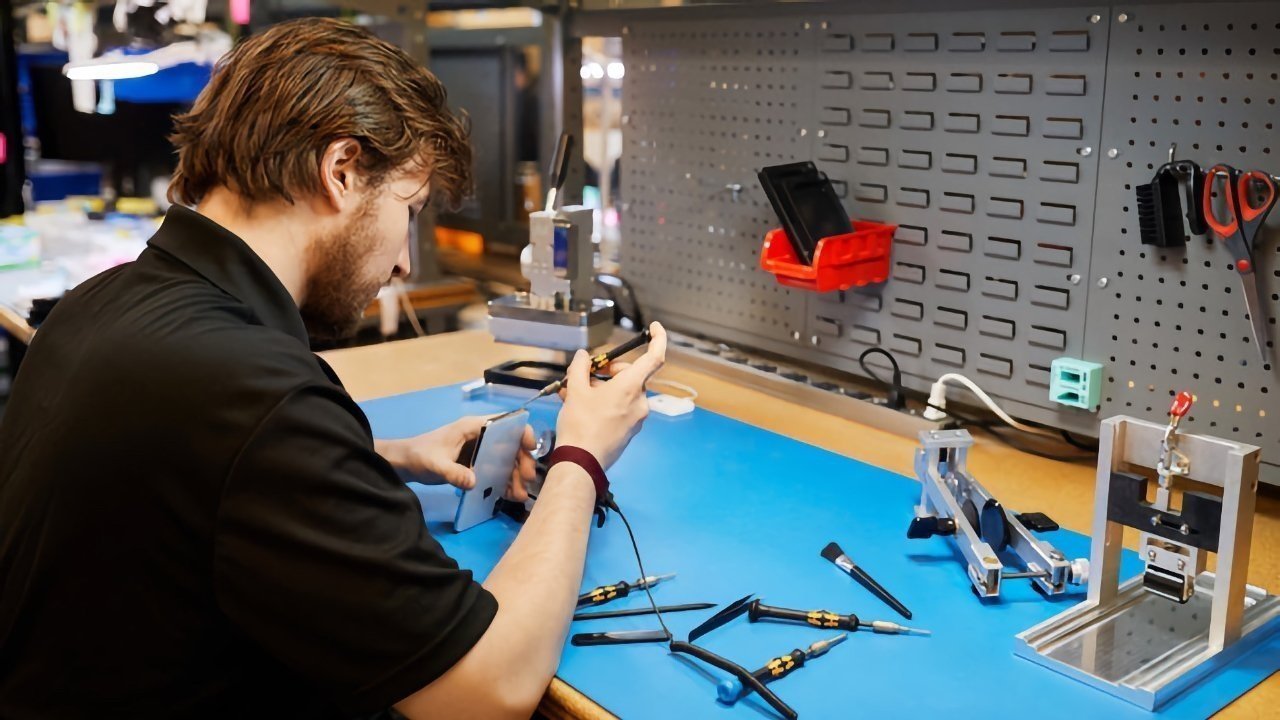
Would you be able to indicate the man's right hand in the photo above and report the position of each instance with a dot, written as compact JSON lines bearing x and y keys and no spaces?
{"x":602,"y":417}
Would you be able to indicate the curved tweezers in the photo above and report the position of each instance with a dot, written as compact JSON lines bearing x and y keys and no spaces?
{"x":739,"y":672}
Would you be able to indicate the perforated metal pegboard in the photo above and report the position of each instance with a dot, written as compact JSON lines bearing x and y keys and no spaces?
{"x":986,"y":136}
{"x":1208,"y":79}
{"x":703,"y":109}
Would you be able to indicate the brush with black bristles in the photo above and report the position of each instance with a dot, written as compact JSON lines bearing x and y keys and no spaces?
{"x":837,"y":556}
{"x":1160,"y":211}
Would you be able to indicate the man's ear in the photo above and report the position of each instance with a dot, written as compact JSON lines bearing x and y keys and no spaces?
{"x":338,"y":172}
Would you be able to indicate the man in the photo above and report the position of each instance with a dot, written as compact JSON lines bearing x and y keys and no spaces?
{"x":194,"y":518}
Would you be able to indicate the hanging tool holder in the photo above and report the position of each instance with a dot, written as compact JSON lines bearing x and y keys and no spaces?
{"x":1005,"y":145}
{"x":841,"y":262}
{"x":954,"y":504}
{"x":1150,"y":638}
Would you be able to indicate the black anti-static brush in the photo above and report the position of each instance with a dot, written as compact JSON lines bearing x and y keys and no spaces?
{"x":833,"y":553}
{"x":1160,"y":210}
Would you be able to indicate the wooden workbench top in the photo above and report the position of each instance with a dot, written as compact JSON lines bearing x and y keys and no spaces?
{"x":1062,"y":490}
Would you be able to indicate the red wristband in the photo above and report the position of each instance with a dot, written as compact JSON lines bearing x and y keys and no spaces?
{"x":585,"y":460}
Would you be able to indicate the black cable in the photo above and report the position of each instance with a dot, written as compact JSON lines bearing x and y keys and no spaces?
{"x":896,"y":399}
{"x":612,"y":280}
{"x":1073,"y":442}
{"x":613,"y":505}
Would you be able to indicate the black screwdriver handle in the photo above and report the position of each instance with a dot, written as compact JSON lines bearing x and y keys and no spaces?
{"x":604,"y":593}
{"x":560,"y":161}
{"x":817,"y":618}
{"x":781,"y":666}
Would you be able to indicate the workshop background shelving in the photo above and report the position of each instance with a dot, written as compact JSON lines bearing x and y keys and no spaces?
{"x":1006,"y":145}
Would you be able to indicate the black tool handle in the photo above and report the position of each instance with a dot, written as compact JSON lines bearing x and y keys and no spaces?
{"x":604,"y":638}
{"x":783,"y":665}
{"x":603,"y":359}
{"x":560,"y":162}
{"x":876,"y":589}
{"x":927,"y":527}
{"x":604,"y":594}
{"x":739,"y":672}
{"x":817,"y":618}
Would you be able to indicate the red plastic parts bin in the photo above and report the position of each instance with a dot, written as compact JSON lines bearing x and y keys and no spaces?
{"x":840,"y":262}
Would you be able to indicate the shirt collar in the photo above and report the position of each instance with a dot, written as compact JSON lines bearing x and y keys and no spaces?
{"x":222,"y":258}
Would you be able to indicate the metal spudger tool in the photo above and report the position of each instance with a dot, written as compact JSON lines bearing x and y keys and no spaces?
{"x":827,"y":619}
{"x":598,"y":362}
{"x":605,"y":593}
{"x":833,"y":553}
{"x":732,"y":690}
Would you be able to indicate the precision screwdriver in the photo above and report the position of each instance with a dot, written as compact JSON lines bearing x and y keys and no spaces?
{"x":598,"y":363}
{"x":605,"y":593}
{"x":732,"y":690}
{"x":827,"y":619}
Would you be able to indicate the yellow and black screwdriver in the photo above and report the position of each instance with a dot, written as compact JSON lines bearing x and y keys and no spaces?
{"x":732,"y":690}
{"x":598,"y":363}
{"x":605,"y":593}
{"x":827,"y":619}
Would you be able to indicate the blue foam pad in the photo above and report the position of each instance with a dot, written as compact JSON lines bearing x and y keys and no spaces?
{"x":735,"y":510}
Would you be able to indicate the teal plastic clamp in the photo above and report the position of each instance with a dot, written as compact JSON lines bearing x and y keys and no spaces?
{"x":1076,"y":383}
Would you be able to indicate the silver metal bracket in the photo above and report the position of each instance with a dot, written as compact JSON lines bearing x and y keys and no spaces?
{"x":1156,"y":635}
{"x":512,"y":319}
{"x":954,"y":503}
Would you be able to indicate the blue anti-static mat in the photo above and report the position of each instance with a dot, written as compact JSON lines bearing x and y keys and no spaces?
{"x":734,"y":510}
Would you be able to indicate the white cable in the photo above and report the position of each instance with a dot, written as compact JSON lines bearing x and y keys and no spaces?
{"x":938,"y":398}
{"x":400,"y":291}
{"x":692,"y":394}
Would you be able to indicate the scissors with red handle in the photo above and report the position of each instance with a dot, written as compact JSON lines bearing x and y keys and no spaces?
{"x":1248,"y":197}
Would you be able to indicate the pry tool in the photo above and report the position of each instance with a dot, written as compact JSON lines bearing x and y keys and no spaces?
{"x":838,"y":557}
{"x":642,"y":611}
{"x":732,"y":690}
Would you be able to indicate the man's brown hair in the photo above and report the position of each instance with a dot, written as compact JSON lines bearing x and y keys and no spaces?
{"x":278,"y":100}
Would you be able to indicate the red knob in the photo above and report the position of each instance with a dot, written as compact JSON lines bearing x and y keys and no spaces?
{"x":1181,"y":404}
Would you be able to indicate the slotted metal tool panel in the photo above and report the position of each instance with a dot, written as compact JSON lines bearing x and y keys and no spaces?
{"x":1206,"y":78}
{"x":975,"y":133}
{"x":987,"y":137}
{"x":704,"y":108}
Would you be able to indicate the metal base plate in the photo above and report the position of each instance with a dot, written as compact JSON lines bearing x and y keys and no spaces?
{"x":1144,"y":648}
{"x":512,"y":320}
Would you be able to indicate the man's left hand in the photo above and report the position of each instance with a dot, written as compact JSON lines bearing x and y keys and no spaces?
{"x":432,"y":458}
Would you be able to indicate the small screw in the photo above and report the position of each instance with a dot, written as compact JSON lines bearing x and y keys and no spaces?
{"x":815,"y":340}
{"x":1056,"y":555}
{"x":822,"y":133}
{"x":1086,"y":151}
{"x":1095,"y":18}
{"x":1155,"y":521}
{"x":795,"y":334}
{"x":807,"y":26}
{"x":1113,"y":153}
{"x":1122,"y":17}
{"x":1182,"y":564}
{"x":1074,"y":279}
{"x":825,"y":25}
{"x":1185,"y":529}
{"x":1151,"y":554}
{"x":1102,"y":282}
{"x":803,"y":132}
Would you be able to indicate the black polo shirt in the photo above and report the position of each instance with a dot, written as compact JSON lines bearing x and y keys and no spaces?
{"x":193,"y":520}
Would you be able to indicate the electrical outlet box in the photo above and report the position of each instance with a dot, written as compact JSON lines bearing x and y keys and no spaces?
{"x":1075,"y":383}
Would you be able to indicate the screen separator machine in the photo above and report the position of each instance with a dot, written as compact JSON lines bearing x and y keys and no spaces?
{"x":1153,"y":636}
{"x":953,"y":503}
{"x":560,"y":310}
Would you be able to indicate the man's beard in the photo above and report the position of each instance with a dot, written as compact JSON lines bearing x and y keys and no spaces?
{"x":336,"y":295}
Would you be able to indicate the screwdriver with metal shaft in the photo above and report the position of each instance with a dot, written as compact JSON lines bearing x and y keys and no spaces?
{"x":827,"y":619}
{"x":605,"y":593}
{"x":598,"y":363}
{"x":732,"y":690}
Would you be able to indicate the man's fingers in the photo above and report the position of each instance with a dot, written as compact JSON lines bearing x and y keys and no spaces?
{"x":458,"y":476}
{"x":469,"y":426}
{"x":516,"y":490}
{"x":647,"y":365}
{"x":579,"y":371}
{"x":526,"y":468}
{"x":528,"y":441}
